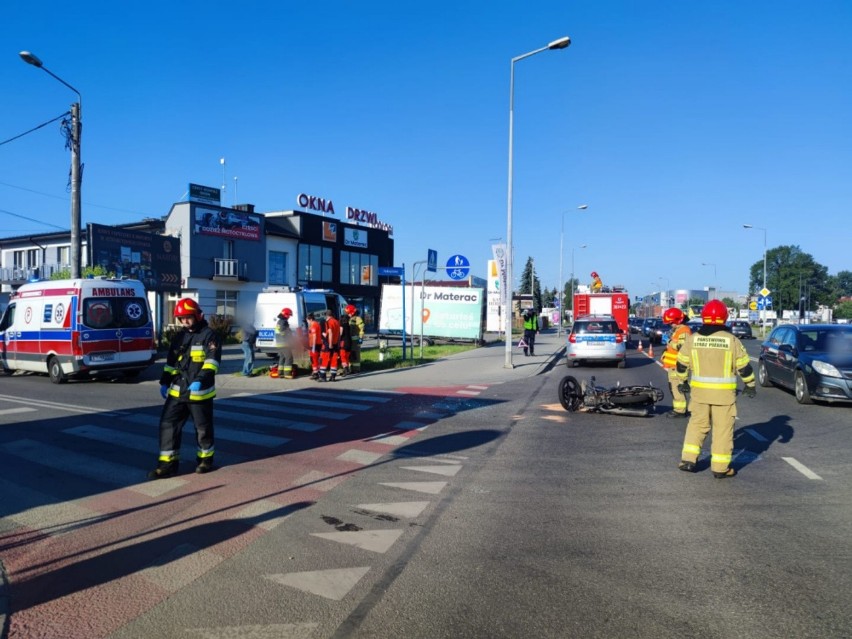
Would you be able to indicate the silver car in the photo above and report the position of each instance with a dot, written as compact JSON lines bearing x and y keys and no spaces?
{"x":596,"y":338}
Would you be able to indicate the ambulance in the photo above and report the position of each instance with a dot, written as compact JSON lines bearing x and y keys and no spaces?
{"x":272,"y":300}
{"x":78,"y":328}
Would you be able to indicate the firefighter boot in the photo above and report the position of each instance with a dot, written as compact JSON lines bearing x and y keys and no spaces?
{"x":728,"y":473}
{"x":686,"y":466}
{"x":164,"y":469}
{"x":204,"y":465}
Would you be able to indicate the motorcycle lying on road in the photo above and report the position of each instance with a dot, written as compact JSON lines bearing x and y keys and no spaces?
{"x":588,"y":397}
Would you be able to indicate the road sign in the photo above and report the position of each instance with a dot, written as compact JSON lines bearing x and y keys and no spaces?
{"x":751,"y":305}
{"x":765,"y":292}
{"x":391,"y":270}
{"x":432,"y":260}
{"x":458,"y":267}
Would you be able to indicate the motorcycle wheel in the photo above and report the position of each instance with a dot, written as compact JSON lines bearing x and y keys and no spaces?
{"x":570,"y":394}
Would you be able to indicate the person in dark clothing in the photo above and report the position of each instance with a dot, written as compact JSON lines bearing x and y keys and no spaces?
{"x":188,"y":384}
{"x":345,"y":344}
{"x":530,"y":331}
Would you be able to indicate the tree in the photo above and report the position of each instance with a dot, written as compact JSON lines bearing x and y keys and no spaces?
{"x":843,"y":284}
{"x":727,"y":301}
{"x":791,"y":274}
{"x":530,"y":284}
{"x":94,"y":271}
{"x":843,"y":311}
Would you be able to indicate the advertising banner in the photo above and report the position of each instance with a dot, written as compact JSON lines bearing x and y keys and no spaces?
{"x":204,"y":194}
{"x":355,"y":237}
{"x":150,"y":258}
{"x":439,"y":311}
{"x":235,"y":225}
{"x":494,"y":311}
{"x":499,"y":252}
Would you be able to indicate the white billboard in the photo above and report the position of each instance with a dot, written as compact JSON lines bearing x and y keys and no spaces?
{"x":437,"y":311}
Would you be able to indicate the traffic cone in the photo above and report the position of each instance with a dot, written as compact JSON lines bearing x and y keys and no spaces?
{"x":640,"y":346}
{"x":651,"y":350}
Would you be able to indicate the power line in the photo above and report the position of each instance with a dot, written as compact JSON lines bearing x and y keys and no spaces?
{"x":20,"y":135}
{"x":29,"y":219}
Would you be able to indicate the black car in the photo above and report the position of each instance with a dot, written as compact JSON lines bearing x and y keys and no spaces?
{"x":654,"y":330}
{"x":635,"y":324}
{"x":740,"y":328}
{"x":814,"y":360}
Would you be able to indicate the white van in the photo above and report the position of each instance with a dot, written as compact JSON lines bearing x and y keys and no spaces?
{"x":78,"y":328}
{"x":271,"y":301}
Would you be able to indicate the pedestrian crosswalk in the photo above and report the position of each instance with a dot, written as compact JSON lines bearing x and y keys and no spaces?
{"x":86,"y":473}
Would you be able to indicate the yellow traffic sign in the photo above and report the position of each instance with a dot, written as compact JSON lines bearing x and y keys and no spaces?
{"x":752,"y":306}
{"x":765,"y":292}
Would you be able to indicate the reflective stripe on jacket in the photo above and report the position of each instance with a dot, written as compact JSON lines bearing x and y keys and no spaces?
{"x":679,"y":335}
{"x":193,"y":357}
{"x":714,"y":356}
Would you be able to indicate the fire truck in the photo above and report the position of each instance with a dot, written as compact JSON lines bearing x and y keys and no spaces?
{"x":614,"y":301}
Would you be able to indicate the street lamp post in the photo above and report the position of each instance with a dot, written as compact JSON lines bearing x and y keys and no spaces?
{"x":561,"y":43}
{"x":664,"y":302}
{"x":582,"y":207}
{"x":582,"y":246}
{"x":763,"y":310}
{"x":714,"y":276}
{"x":76,"y":175}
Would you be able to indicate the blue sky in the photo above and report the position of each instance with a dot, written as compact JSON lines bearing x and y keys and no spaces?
{"x":675,"y":122}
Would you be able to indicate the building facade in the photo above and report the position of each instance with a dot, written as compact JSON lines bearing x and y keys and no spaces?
{"x":229,"y":255}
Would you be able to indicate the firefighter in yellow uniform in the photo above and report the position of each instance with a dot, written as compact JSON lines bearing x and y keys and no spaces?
{"x":680,"y":331}
{"x":597,"y":284}
{"x":713,"y":356}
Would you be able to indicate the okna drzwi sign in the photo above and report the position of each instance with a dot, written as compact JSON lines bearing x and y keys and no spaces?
{"x":440,"y":311}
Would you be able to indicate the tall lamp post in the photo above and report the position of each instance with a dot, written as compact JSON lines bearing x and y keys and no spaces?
{"x":582,"y":246}
{"x":714,"y":276}
{"x":664,"y":302}
{"x":76,"y":176}
{"x":582,"y":207}
{"x":561,"y":43}
{"x":763,"y":310}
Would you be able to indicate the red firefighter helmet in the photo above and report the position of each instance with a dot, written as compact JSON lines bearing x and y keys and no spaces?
{"x":673,"y":316}
{"x":286,"y":313}
{"x":350,"y":309}
{"x":714,"y":313}
{"x":186,"y":307}
{"x":594,"y":274}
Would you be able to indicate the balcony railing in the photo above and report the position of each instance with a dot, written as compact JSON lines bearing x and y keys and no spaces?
{"x":19,"y":274}
{"x":226,"y":268}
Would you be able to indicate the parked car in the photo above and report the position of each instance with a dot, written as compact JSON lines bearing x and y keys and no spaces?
{"x":596,"y":338}
{"x":814,"y":360}
{"x":740,"y":328}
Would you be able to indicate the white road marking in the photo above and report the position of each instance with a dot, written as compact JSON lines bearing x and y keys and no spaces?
{"x":429,"y":487}
{"x":407,"y":509}
{"x":363,"y":457}
{"x":331,"y":584}
{"x":807,"y":472}
{"x":12,"y":411}
{"x":446,"y":471}
{"x":373,"y":540}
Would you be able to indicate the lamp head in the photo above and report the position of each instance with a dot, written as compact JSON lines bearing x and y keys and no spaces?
{"x":583,"y":207}
{"x":561,"y":43}
{"x":747,"y":226}
{"x":30,"y":58}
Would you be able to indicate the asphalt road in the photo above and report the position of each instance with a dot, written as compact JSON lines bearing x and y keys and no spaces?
{"x":420,"y":505}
